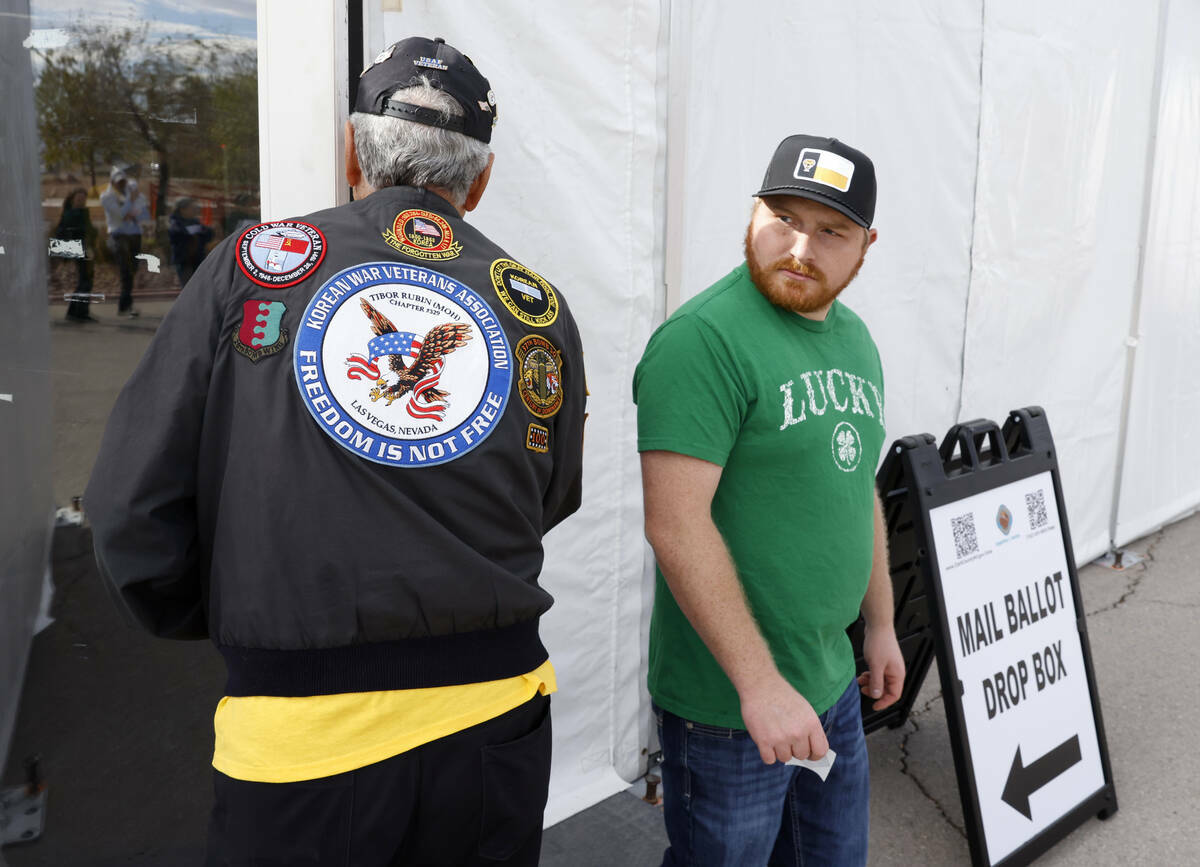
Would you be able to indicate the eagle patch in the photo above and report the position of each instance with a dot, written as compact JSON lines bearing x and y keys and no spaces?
{"x":260,"y":333}
{"x":540,"y":366}
{"x":525,"y":293}
{"x":422,"y":235}
{"x":401,"y":365}
{"x":279,"y":255}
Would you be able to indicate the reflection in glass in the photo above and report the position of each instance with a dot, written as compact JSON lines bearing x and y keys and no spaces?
{"x":149,"y":133}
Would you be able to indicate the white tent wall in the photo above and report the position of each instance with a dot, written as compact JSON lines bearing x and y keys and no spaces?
{"x":1063,"y":146}
{"x":572,"y":196}
{"x":1161,"y":479}
{"x":898,"y":81}
{"x":291,"y":146}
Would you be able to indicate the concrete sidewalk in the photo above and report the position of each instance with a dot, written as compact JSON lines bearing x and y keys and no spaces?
{"x":123,"y":722}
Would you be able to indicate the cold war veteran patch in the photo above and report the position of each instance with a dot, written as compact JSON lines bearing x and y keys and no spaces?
{"x":525,"y":293}
{"x":401,"y":365}
{"x":540,"y":364}
{"x":279,"y":255}
{"x":423,"y":235}
{"x":259,"y":334}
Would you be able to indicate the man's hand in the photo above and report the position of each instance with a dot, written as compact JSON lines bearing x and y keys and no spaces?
{"x":782,"y":723}
{"x":884,"y":678}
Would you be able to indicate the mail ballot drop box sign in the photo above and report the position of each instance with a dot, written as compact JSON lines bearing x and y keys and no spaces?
{"x":1012,"y":628}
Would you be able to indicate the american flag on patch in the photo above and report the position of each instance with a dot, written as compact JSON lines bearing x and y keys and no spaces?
{"x":394,"y":343}
{"x":282,"y":243}
{"x":423,"y":227}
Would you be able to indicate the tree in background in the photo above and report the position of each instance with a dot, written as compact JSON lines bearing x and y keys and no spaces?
{"x":112,"y":93}
{"x":235,"y":120}
{"x":75,"y":118}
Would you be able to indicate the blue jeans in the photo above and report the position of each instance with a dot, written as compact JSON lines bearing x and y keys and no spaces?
{"x":723,"y":806}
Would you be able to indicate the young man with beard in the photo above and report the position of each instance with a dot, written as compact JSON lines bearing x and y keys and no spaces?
{"x":760,"y":422}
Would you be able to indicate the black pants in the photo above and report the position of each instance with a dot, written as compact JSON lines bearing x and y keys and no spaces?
{"x":78,"y":308}
{"x":125,"y":249}
{"x":475,"y":797}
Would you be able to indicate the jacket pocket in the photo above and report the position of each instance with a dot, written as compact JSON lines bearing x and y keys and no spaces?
{"x":516,"y":783}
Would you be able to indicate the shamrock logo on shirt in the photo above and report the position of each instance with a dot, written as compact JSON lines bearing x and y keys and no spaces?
{"x":847,"y":447}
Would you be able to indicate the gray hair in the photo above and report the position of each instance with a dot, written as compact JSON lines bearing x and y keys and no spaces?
{"x":394,"y":152}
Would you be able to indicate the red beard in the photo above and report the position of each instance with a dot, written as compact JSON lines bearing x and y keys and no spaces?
{"x":782,"y":291}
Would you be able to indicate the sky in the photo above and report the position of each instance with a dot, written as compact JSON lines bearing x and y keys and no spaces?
{"x":226,"y":20}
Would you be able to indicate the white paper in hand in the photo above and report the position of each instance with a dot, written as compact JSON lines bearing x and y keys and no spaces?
{"x":820,"y":766}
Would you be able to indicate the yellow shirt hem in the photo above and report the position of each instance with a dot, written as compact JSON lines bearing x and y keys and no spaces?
{"x":351,"y":730}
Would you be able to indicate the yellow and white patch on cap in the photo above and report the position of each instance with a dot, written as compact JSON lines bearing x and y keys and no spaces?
{"x":824,"y":167}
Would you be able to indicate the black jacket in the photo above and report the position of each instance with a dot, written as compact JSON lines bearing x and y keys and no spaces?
{"x":289,"y":474}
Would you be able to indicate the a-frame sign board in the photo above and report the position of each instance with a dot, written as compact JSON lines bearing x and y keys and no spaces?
{"x":984,"y":577}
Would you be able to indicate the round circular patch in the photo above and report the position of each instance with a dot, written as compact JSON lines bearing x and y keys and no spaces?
{"x":402,"y":365}
{"x":422,"y":235}
{"x":847,"y":447}
{"x":279,"y":255}
{"x":540,"y":367}
{"x":526,"y":295}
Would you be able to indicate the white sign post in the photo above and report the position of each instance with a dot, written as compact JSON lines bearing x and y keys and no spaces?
{"x":1011,"y":628}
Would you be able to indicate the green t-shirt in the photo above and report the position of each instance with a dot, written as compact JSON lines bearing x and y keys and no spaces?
{"x":792,"y":409}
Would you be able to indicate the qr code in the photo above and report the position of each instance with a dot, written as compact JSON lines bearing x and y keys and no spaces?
{"x":1035,"y":502}
{"x":965,"y":541}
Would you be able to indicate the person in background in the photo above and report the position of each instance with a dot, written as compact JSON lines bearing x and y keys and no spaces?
{"x":189,"y":239}
{"x":125,"y":210}
{"x":241,"y":216}
{"x":75,"y":224}
{"x":760,"y":423}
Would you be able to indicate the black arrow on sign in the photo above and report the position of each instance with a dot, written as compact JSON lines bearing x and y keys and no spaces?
{"x":1024,"y":780}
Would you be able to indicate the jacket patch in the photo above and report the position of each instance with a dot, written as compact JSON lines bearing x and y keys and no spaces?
{"x":401,"y":365}
{"x":540,"y":386}
{"x":537,"y":439}
{"x":260,"y":333}
{"x":422,"y":235}
{"x":525,"y":293}
{"x":279,"y":255}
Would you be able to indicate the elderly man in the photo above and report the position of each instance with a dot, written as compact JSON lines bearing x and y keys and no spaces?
{"x":337,"y":460}
{"x":760,"y":420}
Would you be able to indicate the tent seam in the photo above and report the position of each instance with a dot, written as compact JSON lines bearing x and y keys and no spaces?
{"x":962,"y":370}
{"x":614,"y":643}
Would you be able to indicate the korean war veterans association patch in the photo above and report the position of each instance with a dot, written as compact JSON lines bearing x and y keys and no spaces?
{"x":279,"y":255}
{"x":537,"y":439}
{"x":526,"y":295}
{"x":401,"y":365}
{"x":422,"y":235}
{"x":259,"y":334}
{"x":824,"y":167}
{"x":540,"y":365}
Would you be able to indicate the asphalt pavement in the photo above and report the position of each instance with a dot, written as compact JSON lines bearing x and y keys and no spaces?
{"x":122,"y":722}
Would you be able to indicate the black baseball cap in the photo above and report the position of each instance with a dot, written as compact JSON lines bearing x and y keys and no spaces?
{"x":826,"y":171}
{"x":403,"y":63}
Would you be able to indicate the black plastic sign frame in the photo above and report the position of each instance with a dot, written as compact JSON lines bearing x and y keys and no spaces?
{"x":910,"y":588}
{"x":917,"y":478}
